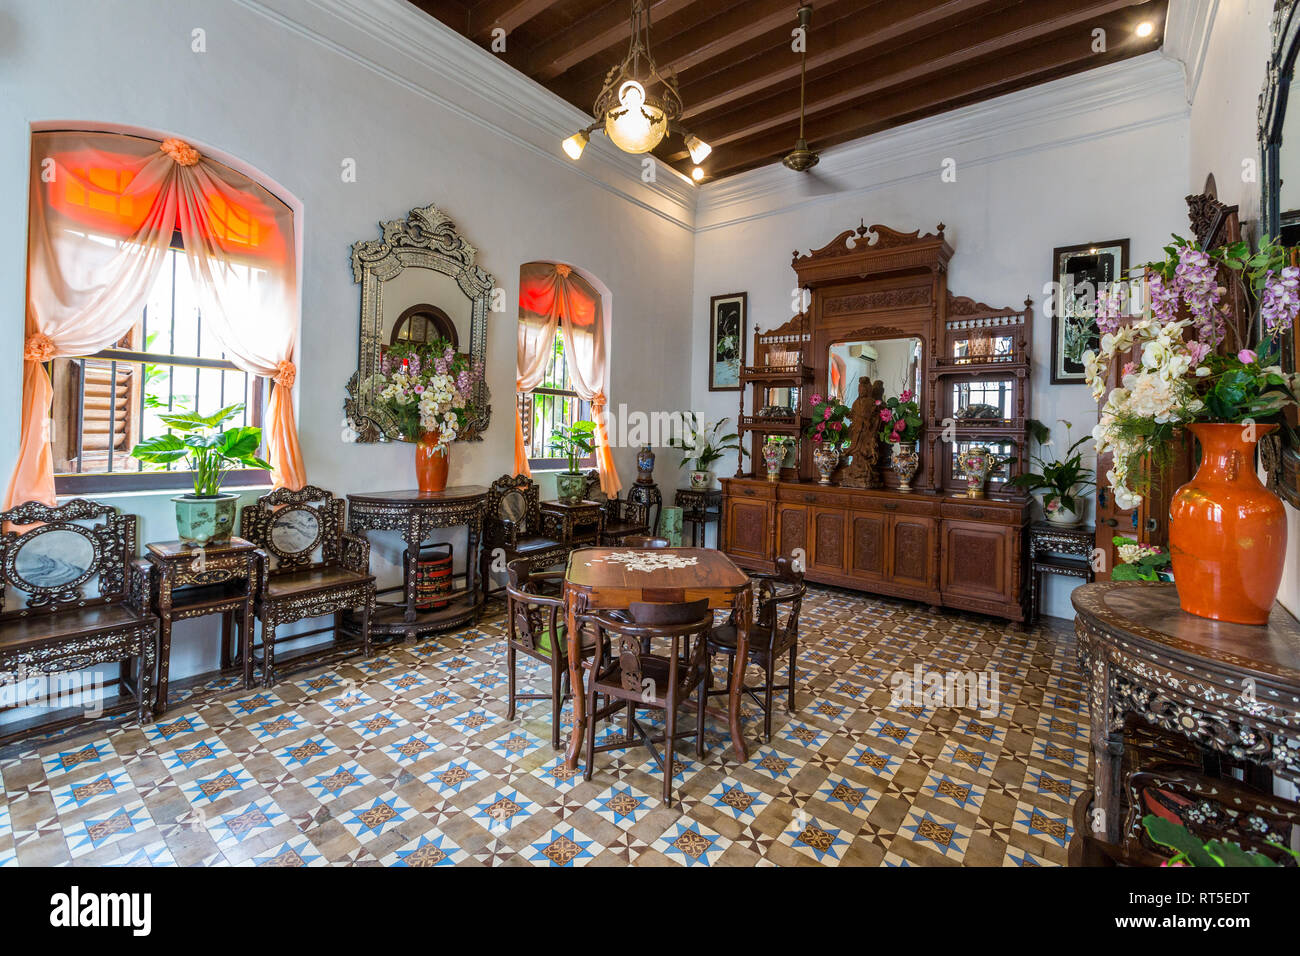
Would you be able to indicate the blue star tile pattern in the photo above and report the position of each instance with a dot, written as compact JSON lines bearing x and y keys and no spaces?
{"x":737,"y":801}
{"x":411,"y":749}
{"x":307,"y":751}
{"x":222,"y":784}
{"x":873,"y":760}
{"x":297,"y":852}
{"x":155,"y":854}
{"x":195,"y":754}
{"x":1059,"y":754}
{"x":376,"y":665}
{"x":855,"y":798}
{"x":562,"y":846}
{"x":501,"y":811}
{"x":348,"y":702}
{"x":773,"y":764}
{"x":260,"y":816}
{"x":97,"y":831}
{"x":333,"y":784}
{"x":1041,"y":823}
{"x":808,"y":835}
{"x":251,"y":705}
{"x":453,"y":776}
{"x":437,"y":701}
{"x":85,"y":792}
{"x":434,"y":849}
{"x":275,"y":727}
{"x":945,"y":836}
{"x":405,"y":683}
{"x":378,"y":724}
{"x":621,"y":805}
{"x":68,"y":760}
{"x":894,"y":733}
{"x":385,"y":812}
{"x":165,"y":730}
{"x":691,"y":844}
{"x":475,"y":721}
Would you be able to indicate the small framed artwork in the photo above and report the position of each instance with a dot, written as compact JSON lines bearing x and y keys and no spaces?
{"x":727,"y":315}
{"x":1080,"y":272}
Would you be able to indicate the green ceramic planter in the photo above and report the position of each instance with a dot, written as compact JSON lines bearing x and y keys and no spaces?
{"x":204,"y":521}
{"x":570,"y":488}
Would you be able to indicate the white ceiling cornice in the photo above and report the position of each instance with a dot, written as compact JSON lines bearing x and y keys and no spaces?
{"x":1187,"y":37}
{"x":1135,"y":92}
{"x":369,"y":32}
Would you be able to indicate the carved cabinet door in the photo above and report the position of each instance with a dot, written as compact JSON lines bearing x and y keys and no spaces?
{"x":866,"y":544}
{"x":976,"y":560}
{"x":748,"y":529}
{"x":828,"y":526}
{"x":792,"y":530}
{"x":912,"y":548}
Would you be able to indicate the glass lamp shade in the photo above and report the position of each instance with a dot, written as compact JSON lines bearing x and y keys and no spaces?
{"x":698,"y":149}
{"x":637,"y":126}
{"x":575,"y":144}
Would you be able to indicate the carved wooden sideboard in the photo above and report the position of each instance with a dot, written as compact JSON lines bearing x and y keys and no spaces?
{"x":941,"y":549}
{"x":879,"y":311}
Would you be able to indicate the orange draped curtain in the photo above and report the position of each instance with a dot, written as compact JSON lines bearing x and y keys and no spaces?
{"x":552,"y":296}
{"x":103,"y":209}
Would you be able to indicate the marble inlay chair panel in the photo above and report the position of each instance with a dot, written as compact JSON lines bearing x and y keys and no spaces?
{"x":72,"y":600}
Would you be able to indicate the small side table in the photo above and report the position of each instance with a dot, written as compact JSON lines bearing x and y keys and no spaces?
{"x":699,"y":508}
{"x":1054,"y":549}
{"x":648,"y":495}
{"x":191,"y":582}
{"x":575,"y":525}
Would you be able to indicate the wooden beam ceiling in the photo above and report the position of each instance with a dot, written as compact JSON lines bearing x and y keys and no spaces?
{"x":872,"y":64}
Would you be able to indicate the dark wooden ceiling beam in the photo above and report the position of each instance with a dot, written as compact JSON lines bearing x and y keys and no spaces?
{"x":451,"y":12}
{"x":506,"y":14}
{"x":852,"y":37}
{"x":999,"y":74}
{"x":1025,"y":24}
{"x":590,"y":36}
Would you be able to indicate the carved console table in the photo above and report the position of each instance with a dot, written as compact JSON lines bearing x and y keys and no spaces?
{"x":1232,"y":688}
{"x":1054,"y":549}
{"x":415,"y":516}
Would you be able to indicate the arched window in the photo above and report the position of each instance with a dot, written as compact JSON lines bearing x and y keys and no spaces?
{"x":161,"y":281}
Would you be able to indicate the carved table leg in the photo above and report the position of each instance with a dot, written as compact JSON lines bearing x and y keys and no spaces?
{"x":246,"y":623}
{"x":410,"y":568}
{"x":1107,"y":752}
{"x":164,"y":639}
{"x":576,"y":682}
{"x":743,"y":599}
{"x":472,"y":532}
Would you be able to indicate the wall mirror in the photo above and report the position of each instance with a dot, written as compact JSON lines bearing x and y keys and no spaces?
{"x":887,"y":366}
{"x":419,"y":282}
{"x":1279,"y":135}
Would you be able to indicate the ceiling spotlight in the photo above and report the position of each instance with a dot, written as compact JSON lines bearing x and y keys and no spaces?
{"x":697,"y":174}
{"x":575,"y":144}
{"x":1145,"y":29}
{"x":698,"y":149}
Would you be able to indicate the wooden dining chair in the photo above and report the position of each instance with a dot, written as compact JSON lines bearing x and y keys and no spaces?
{"x":535,"y":627}
{"x":643,"y":541}
{"x":774,"y":632}
{"x":630,"y":679}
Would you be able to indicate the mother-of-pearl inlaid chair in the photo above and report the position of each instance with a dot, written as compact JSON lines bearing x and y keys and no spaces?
{"x":82,"y":601}
{"x":312,"y":567}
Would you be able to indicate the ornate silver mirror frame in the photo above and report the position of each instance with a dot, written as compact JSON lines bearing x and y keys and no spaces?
{"x":1272,"y":114}
{"x":426,"y":239}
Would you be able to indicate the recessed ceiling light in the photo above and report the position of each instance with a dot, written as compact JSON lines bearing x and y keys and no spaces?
{"x":697,"y":173}
{"x":1145,"y":29}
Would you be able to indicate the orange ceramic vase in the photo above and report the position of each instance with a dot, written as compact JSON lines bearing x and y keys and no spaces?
{"x":1227,"y":532}
{"x":430,"y":463}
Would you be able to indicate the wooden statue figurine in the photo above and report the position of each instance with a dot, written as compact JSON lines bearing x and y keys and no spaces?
{"x":860,"y":470}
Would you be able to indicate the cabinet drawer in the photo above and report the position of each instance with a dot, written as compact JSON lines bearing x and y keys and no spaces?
{"x":978,"y":512}
{"x":898,"y":506}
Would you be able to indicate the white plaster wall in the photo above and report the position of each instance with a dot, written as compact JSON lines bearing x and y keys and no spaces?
{"x":283,"y":87}
{"x":1223,"y":136}
{"x":1038,"y":177}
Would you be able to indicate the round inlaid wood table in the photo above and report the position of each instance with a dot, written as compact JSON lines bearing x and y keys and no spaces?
{"x":1230,"y":687}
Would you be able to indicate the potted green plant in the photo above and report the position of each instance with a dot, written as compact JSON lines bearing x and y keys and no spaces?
{"x":576,"y":442}
{"x":1191,"y":850}
{"x":701,"y":445}
{"x":1059,"y":479}
{"x":207,"y":515}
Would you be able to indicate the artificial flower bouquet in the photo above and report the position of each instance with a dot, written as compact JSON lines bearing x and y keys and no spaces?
{"x":1179,"y":377}
{"x":829,"y":421}
{"x":901,"y":418}
{"x":428,"y":389}
{"x":1139,"y":562}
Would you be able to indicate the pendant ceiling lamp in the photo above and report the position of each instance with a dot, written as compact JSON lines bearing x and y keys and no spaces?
{"x":637,"y":105}
{"x":801,"y":158}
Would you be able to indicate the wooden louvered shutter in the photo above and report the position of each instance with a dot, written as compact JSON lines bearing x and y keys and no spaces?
{"x":104,"y":408}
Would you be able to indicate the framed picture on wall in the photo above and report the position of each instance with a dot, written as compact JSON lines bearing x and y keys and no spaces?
{"x":727,"y":316}
{"x":1080,"y":271}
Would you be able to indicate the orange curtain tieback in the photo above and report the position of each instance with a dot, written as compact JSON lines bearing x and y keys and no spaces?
{"x":563,"y":271}
{"x":39,"y":348}
{"x":286,"y":373}
{"x":181,"y":151}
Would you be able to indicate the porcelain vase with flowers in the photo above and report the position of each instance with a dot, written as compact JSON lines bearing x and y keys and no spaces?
{"x":426,"y":388}
{"x":828,"y":429}
{"x":1216,"y":371}
{"x":900,"y":419}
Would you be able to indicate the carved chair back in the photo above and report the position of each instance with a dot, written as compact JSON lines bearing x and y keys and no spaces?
{"x":299,"y":530}
{"x":513,"y":508}
{"x":73,"y":555}
{"x":684,"y":626}
{"x":780,"y":600}
{"x":533,"y":620}
{"x":616,"y":508}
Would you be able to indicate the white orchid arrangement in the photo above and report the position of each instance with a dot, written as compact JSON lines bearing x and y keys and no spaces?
{"x":1179,"y":376}
{"x":428,"y":388}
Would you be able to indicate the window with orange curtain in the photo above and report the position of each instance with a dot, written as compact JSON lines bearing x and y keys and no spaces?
{"x":549,"y":405}
{"x":106,"y":403}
